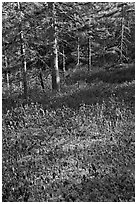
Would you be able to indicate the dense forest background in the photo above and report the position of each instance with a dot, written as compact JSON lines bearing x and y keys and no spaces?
{"x":68,"y":82}
{"x":41,"y":41}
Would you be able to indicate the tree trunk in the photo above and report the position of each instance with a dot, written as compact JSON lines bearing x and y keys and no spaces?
{"x":78,"y":51}
{"x":104,"y":58}
{"x":122,"y":38}
{"x":64,"y":61}
{"x":89,"y":52}
{"x":8,"y":81}
{"x":7,"y":74}
{"x":20,"y":83}
{"x":55,"y":70}
{"x":54,"y":58}
{"x":41,"y":79}
{"x":23,"y":57}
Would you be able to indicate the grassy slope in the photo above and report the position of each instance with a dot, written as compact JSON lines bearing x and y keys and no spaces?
{"x":77,"y":145}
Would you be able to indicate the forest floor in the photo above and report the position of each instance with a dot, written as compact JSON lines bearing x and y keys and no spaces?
{"x":74,"y":146}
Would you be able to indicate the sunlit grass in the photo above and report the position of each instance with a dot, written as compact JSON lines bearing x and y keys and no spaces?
{"x":61,"y":154}
{"x":75,"y":145}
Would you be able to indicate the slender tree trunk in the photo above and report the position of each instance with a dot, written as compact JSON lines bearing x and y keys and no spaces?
{"x":20,"y":83}
{"x":8,"y":81}
{"x":78,"y":51}
{"x":41,"y":79}
{"x":7,"y":74}
{"x":64,"y":61}
{"x":20,"y":74}
{"x":23,"y":57}
{"x":54,"y":59}
{"x":104,"y":59}
{"x":89,"y":52}
{"x":122,"y":38}
{"x":122,"y":35}
{"x":55,"y":70}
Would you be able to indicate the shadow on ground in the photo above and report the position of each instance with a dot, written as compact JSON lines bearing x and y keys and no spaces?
{"x":94,"y":94}
{"x":99,"y":86}
{"x":107,"y":76}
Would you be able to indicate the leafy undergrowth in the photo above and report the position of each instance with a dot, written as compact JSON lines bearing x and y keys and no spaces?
{"x":83,"y":154}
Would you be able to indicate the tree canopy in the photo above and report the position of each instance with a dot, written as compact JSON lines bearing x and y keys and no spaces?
{"x":80,"y":32}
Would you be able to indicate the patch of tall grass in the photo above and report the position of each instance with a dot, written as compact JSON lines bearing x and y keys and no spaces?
{"x":47,"y":151}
